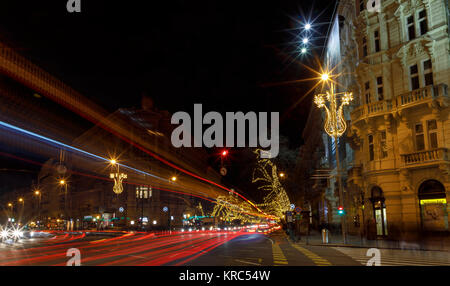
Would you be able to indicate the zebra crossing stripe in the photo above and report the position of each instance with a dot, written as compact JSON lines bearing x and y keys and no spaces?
{"x":311,"y":255}
{"x":278,"y":256}
{"x":390,"y":260}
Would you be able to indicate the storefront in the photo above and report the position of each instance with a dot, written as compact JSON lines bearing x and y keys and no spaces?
{"x":433,"y":206}
{"x":379,"y":211}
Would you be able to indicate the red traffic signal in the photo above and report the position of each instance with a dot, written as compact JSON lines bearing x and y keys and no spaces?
{"x":224,"y":153}
{"x":341,"y":208}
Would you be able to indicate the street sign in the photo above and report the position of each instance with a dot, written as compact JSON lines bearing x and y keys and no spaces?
{"x":121,"y":209}
{"x":298,"y":209}
{"x":165,"y":209}
{"x":292,"y":206}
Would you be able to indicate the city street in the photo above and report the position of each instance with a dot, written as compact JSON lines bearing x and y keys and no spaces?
{"x":234,"y":134}
{"x":201,"y":248}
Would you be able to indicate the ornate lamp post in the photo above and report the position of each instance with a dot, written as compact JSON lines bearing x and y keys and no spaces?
{"x":335,"y":127}
{"x":118,"y":178}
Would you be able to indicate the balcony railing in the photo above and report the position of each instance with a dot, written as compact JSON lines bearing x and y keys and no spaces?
{"x":416,"y":96}
{"x":371,"y":109}
{"x":427,"y":156}
{"x":406,"y":100}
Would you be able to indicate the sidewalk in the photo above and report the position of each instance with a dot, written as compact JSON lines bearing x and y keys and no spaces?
{"x":336,"y":240}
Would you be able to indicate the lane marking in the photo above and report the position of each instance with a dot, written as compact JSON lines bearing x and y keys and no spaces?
{"x":248,"y":262}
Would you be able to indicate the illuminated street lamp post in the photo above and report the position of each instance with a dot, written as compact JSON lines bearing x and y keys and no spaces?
{"x":335,"y":127}
{"x":118,"y":178}
{"x":38,"y":194}
{"x":10,"y":205}
{"x":21,"y":200}
{"x":64,"y":184}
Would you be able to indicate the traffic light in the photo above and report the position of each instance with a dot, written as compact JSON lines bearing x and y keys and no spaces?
{"x":224,"y":153}
{"x":341,"y":210}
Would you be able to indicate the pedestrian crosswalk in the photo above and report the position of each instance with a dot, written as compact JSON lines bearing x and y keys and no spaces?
{"x":311,"y":255}
{"x":397,"y":257}
{"x":278,"y":256}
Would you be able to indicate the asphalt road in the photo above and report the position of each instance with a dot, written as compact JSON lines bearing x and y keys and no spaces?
{"x":198,"y":249}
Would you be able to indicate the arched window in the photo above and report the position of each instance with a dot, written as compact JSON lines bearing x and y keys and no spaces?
{"x":379,"y":211}
{"x":433,"y":206}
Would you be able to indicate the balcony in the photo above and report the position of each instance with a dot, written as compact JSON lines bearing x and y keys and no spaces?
{"x":371,"y":110}
{"x":407,"y":100}
{"x":425,"y":158}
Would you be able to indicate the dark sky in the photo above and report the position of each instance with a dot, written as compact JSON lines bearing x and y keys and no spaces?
{"x":223,"y":54}
{"x":218,"y":53}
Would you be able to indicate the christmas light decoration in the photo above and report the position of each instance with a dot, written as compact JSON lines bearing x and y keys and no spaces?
{"x":335,"y":127}
{"x":276,"y":202}
{"x":118,"y":178}
{"x":335,"y":124}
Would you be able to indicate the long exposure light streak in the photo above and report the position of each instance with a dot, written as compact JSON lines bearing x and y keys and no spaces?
{"x":68,"y":147}
{"x":49,"y":140}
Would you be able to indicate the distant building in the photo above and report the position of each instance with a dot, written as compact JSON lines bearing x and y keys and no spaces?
{"x":145,"y":200}
{"x":28,"y":101}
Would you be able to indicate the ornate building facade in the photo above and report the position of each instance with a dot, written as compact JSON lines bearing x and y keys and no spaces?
{"x":400,"y":129}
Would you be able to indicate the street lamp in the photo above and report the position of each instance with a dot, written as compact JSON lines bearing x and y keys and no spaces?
{"x":335,"y":127}
{"x":38,"y":194}
{"x":62,"y":183}
{"x":305,"y":40}
{"x":307,"y":26}
{"x":118,"y":178}
{"x":10,"y":205}
{"x":173,"y":179}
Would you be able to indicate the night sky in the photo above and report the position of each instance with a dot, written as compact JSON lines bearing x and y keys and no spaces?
{"x":223,"y":54}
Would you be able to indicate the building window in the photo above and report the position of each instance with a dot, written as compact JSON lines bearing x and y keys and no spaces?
{"x":423,"y":25}
{"x":383,"y":145}
{"x":414,"y":75}
{"x":367,"y":92}
{"x":376,"y":37}
{"x":411,"y":28}
{"x":380,"y":88}
{"x":143,"y":192}
{"x":364,"y":46}
{"x":428,"y":72}
{"x":420,"y":142}
{"x":371,"y":153}
{"x":432,"y":133}
{"x":361,"y":5}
